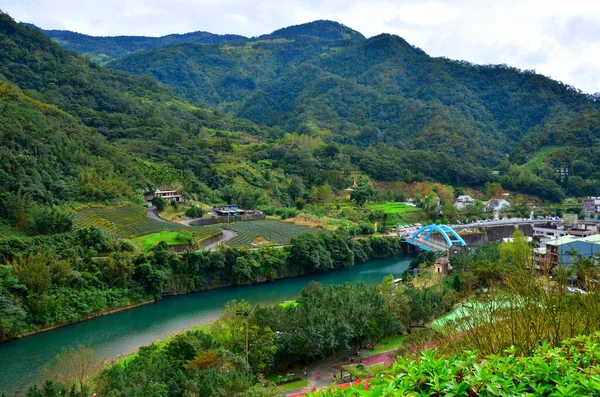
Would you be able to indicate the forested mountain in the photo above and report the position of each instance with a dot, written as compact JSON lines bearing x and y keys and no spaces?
{"x":103,"y":49}
{"x":380,"y":90}
{"x":74,"y":131}
{"x":376,"y":105}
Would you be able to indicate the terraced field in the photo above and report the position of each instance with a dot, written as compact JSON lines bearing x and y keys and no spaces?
{"x":273,"y":231}
{"x":131,"y":221}
{"x":242,"y":239}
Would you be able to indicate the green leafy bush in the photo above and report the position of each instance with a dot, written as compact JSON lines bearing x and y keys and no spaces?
{"x":572,"y":369}
{"x":194,"y":212}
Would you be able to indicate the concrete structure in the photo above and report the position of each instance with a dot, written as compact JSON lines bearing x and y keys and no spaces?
{"x":407,"y":230}
{"x":496,"y":205}
{"x":591,"y":205}
{"x":562,"y":171}
{"x":442,"y":266}
{"x":539,"y":257}
{"x":232,"y":210}
{"x":168,"y":195}
{"x":462,"y":201}
{"x":543,"y":233}
{"x":559,"y":251}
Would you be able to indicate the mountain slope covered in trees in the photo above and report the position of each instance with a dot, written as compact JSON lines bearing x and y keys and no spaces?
{"x":379,"y":106}
{"x":103,"y":49}
{"x":369,"y":91}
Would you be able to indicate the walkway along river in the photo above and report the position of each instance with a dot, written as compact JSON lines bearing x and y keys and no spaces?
{"x":22,"y":360}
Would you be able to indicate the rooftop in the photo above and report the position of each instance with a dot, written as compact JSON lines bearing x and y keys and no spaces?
{"x":562,"y":240}
{"x":594,"y":239}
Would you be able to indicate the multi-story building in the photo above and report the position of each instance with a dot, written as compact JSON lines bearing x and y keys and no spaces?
{"x":591,"y":205}
{"x":166,"y":194}
{"x":565,"y":250}
{"x":543,"y":233}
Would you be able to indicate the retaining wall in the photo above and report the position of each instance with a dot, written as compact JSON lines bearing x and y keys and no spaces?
{"x":224,"y":219}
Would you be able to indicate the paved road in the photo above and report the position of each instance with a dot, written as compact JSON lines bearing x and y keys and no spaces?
{"x":154,"y":216}
{"x":513,"y":221}
{"x":227,"y":235}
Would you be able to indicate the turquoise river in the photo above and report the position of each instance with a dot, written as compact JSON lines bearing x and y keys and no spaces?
{"x":22,"y":360}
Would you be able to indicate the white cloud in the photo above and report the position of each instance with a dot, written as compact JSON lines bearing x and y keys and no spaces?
{"x":428,"y":13}
{"x":558,"y":38}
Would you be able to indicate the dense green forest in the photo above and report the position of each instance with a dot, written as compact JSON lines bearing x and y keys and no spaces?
{"x":59,"y":278}
{"x":366,"y":91}
{"x":104,"y":49}
{"x":324,"y":79}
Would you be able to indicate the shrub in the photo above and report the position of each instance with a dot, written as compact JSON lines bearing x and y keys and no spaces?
{"x":159,"y":203}
{"x":47,"y":221}
{"x":194,"y":212}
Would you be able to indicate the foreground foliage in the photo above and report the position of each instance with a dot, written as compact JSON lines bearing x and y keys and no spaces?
{"x":63,"y":278}
{"x":572,"y":369}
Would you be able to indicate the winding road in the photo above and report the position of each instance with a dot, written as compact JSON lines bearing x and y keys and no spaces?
{"x":226,"y":236}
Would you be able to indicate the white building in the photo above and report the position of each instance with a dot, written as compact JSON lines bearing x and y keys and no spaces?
{"x":496,"y":205}
{"x":462,"y":201}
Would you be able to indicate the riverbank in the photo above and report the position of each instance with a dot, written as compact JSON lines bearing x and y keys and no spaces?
{"x":124,"y":332}
{"x":90,"y":317}
{"x":286,"y":270}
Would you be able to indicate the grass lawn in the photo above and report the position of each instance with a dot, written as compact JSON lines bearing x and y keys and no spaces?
{"x":387,"y":344}
{"x":171,"y":238}
{"x":399,"y":213}
{"x":393,"y":208}
{"x":295,"y":385}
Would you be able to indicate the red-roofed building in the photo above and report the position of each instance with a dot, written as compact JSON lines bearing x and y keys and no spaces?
{"x":168,"y":195}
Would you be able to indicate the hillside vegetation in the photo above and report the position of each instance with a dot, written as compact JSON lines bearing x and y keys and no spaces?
{"x":380,"y":89}
{"x":324,"y":79}
{"x":568,"y":370}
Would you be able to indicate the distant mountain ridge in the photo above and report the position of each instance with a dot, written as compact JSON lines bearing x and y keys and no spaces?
{"x":104,"y":48}
{"x":379,"y":105}
{"x":376,"y":90}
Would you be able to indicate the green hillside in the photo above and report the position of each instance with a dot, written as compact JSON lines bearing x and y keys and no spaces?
{"x":104,"y":49}
{"x":376,"y":90}
{"x":378,"y":105}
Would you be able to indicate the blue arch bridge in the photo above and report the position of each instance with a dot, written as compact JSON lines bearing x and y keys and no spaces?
{"x":435,"y":238}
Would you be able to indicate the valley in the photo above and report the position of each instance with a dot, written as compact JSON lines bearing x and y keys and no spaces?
{"x":274,"y":205}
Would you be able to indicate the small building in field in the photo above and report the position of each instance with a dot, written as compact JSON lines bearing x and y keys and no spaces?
{"x":168,"y":195}
{"x":227,"y":210}
{"x":232,"y":210}
{"x":442,"y":266}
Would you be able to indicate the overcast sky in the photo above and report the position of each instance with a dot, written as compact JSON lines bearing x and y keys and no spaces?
{"x":558,"y":38}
